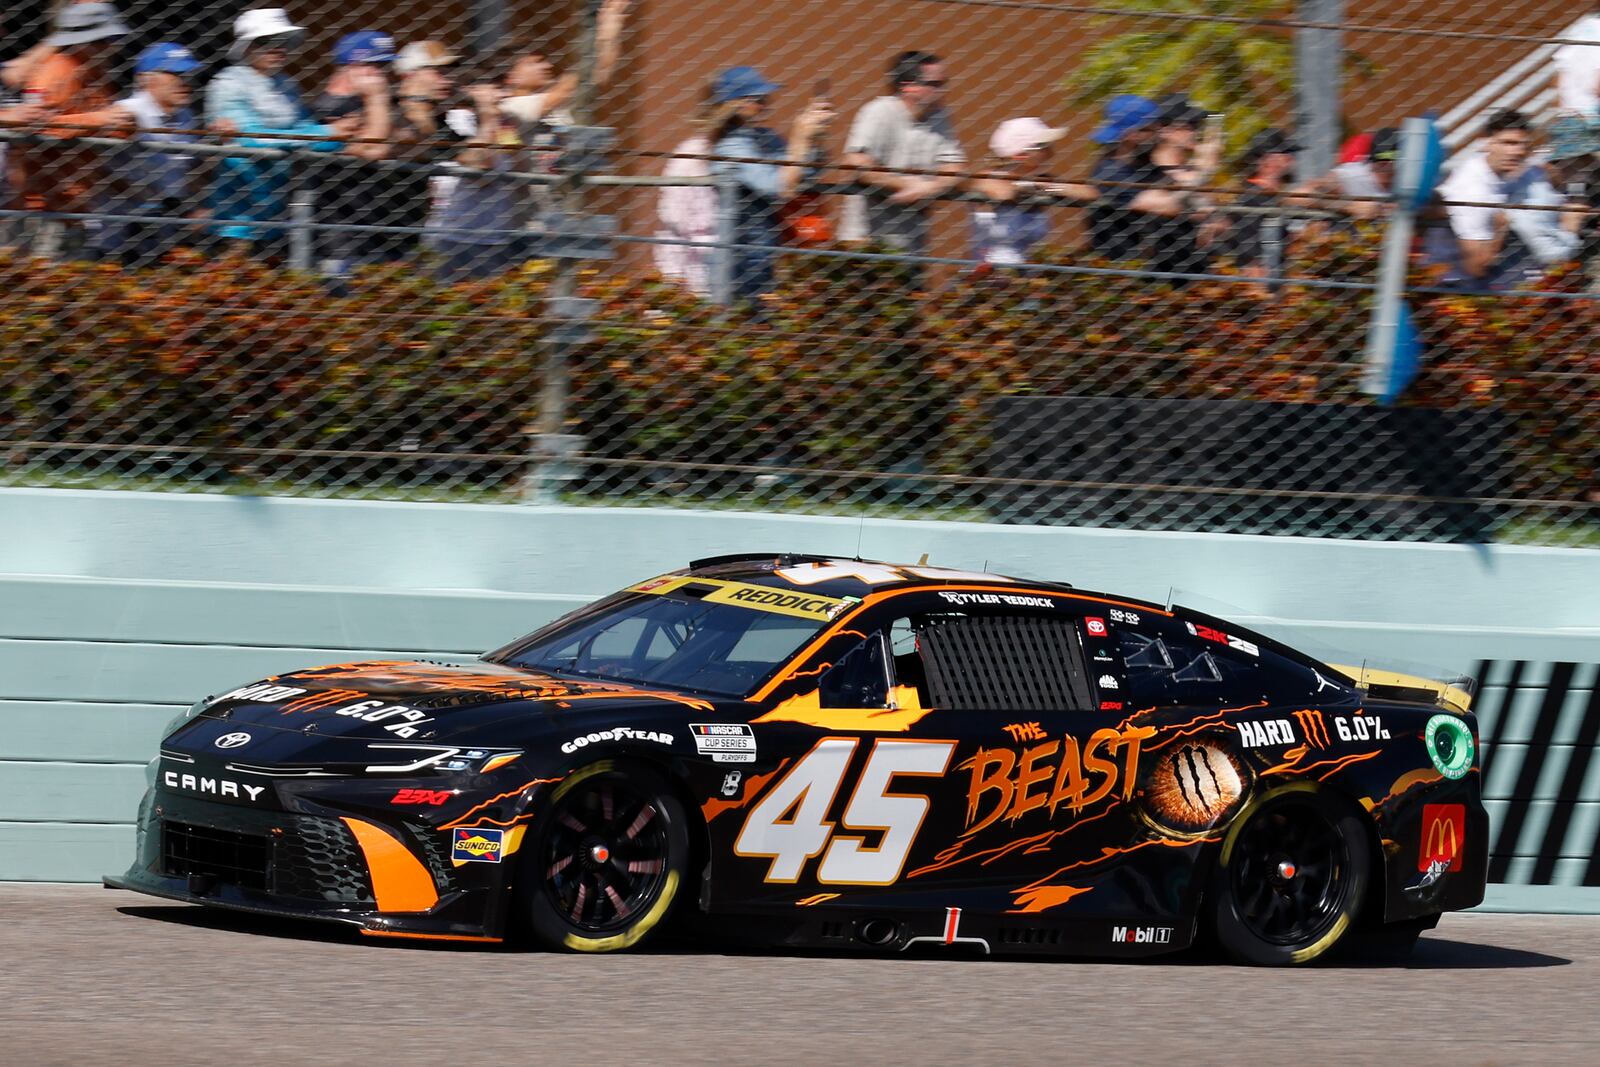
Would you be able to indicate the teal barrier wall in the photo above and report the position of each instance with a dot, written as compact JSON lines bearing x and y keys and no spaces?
{"x":119,"y":609}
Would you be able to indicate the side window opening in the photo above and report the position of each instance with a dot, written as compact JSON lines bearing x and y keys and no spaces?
{"x":1003,"y":663}
{"x":859,"y":680}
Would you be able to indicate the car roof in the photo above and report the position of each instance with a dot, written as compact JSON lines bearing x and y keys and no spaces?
{"x":835,"y":576}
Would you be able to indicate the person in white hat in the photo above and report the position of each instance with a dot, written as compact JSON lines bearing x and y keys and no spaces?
{"x":73,"y":83}
{"x":254,"y":96}
{"x":1019,"y":151}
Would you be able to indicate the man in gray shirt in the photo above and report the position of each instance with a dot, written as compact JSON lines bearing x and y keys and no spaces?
{"x":908,"y":129}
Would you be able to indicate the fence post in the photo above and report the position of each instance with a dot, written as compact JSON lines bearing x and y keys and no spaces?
{"x":302,"y":209}
{"x":1319,"y":57}
{"x":724,"y":256}
{"x":1272,"y":228}
{"x":553,"y":450}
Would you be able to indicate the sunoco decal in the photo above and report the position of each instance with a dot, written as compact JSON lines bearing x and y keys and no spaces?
{"x":1449,"y":745}
{"x":731,"y":742}
{"x":477,"y":844}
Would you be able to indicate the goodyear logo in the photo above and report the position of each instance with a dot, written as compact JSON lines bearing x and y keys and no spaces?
{"x":479,"y":844}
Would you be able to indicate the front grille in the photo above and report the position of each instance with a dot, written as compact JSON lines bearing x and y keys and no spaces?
{"x":319,"y":859}
{"x":225,"y":855}
{"x":299,"y":856}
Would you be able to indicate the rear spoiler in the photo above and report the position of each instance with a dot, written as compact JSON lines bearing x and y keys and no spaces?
{"x":1380,"y":684}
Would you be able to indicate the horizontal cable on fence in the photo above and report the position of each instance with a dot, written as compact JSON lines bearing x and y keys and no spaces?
{"x":11,"y":132}
{"x":1387,"y":29}
{"x":816,"y":472}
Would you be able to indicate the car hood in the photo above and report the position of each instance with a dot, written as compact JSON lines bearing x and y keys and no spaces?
{"x":405,"y":700}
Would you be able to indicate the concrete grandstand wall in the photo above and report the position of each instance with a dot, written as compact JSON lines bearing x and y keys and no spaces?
{"x":117,"y":610}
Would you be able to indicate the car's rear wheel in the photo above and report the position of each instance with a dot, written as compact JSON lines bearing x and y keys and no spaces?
{"x":1291,"y":878}
{"x":606,"y":861}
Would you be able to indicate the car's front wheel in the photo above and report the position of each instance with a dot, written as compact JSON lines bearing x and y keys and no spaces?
{"x":607,"y":859}
{"x":1291,"y":878}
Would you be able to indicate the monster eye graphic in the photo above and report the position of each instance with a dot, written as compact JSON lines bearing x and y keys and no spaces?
{"x":1192,"y":787}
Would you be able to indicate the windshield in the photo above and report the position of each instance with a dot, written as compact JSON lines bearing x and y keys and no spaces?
{"x":713,"y":648}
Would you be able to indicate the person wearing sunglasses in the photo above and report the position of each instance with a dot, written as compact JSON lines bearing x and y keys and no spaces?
{"x":907,"y":130}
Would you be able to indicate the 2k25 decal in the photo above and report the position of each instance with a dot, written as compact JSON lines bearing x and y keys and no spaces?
{"x":789,"y":826}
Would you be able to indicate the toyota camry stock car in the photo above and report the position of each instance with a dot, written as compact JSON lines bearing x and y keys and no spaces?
{"x":802,"y":751}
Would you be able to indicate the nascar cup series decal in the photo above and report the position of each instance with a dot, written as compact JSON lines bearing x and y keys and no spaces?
{"x":732,"y":742}
{"x":1449,"y":745}
{"x":477,"y":844}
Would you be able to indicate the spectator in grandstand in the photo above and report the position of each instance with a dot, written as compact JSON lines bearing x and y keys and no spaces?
{"x":73,"y":83}
{"x":1255,"y":241}
{"x":14,"y":75}
{"x":156,"y":184}
{"x":1500,"y":247}
{"x":422,"y":137}
{"x":1578,"y":68}
{"x":479,"y":223}
{"x":1019,"y":149}
{"x":1573,"y":151}
{"x":908,"y":129}
{"x":1186,"y":157}
{"x":356,"y":109}
{"x":1137,"y":213}
{"x":536,"y":98}
{"x":253,"y":97}
{"x":350,"y":188}
{"x":688,"y":213}
{"x":531,"y":107}
{"x":742,"y":97}
{"x":1370,"y":174}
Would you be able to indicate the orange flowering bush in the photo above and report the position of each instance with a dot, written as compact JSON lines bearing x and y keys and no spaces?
{"x":850,"y":370}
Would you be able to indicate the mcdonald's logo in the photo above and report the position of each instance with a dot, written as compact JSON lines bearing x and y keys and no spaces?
{"x":1313,"y":726}
{"x":1444,"y":831}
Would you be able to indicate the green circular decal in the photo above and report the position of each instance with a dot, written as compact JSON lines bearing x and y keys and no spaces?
{"x":1449,"y":745}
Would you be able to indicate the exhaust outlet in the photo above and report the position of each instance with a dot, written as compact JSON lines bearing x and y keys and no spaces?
{"x":879,"y":933}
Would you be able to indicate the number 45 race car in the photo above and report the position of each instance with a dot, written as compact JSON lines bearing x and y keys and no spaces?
{"x":837,"y":754}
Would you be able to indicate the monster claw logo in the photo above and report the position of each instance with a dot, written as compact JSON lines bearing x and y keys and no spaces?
{"x":1195,"y":787}
{"x":1444,"y":829}
{"x":1313,"y":726}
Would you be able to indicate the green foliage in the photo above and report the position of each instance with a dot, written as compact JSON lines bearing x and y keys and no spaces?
{"x":1243,"y":69}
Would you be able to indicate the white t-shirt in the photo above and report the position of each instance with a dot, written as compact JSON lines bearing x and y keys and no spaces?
{"x":1539,"y":231}
{"x":1578,"y":70}
{"x":885,"y":130}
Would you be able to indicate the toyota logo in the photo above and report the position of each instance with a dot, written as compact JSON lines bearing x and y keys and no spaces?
{"x":233,"y":740}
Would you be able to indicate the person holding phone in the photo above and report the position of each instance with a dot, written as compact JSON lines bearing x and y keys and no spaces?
{"x":768,"y":170}
{"x":1188,"y":157}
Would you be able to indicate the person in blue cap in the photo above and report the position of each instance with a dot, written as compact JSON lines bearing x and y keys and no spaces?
{"x":156,"y":184}
{"x":741,"y":98}
{"x":1128,"y":222}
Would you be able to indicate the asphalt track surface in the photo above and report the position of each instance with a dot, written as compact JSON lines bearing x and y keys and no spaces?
{"x":90,"y":976}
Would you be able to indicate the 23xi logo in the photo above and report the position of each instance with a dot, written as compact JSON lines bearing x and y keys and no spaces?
{"x":232,"y":740}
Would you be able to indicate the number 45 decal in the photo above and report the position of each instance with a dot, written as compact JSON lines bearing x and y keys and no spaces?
{"x":790,"y":824}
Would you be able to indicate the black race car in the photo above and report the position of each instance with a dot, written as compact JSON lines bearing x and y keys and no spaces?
{"x":833,"y":753}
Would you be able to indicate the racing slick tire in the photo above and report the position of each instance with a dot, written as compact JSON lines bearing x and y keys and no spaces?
{"x":607,"y":859}
{"x":1291,"y":877}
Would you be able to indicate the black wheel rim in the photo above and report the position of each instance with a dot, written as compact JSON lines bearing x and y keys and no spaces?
{"x":1288,"y":874}
{"x":605,"y":855}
